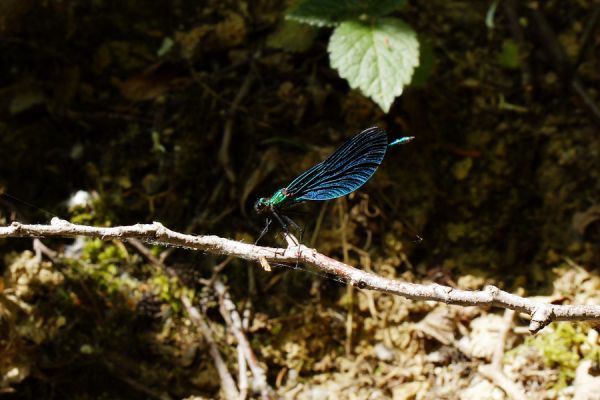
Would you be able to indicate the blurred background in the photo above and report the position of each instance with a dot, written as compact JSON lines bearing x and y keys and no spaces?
{"x":185,"y":112}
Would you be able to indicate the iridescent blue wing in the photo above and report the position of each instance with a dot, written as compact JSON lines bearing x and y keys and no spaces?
{"x":344,"y":171}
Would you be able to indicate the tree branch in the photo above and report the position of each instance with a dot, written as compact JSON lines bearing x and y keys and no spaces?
{"x":541,"y":313}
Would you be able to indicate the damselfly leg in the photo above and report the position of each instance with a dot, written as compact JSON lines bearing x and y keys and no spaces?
{"x":264,"y":231}
{"x":291,"y":222}
{"x":285,"y":223}
{"x":299,"y":229}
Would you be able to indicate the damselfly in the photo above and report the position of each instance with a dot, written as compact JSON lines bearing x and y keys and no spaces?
{"x":344,"y":171}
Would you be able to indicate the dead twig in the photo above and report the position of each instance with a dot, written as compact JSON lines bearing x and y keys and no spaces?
{"x":587,"y":37}
{"x":41,"y":249}
{"x":343,"y":215}
{"x":242,"y":373}
{"x":499,"y":379}
{"x":139,"y":246}
{"x":509,"y":316}
{"x":194,"y":313}
{"x":541,"y":313}
{"x":227,"y":382}
{"x":561,"y":62}
{"x":234,"y":321}
{"x":493,"y":371}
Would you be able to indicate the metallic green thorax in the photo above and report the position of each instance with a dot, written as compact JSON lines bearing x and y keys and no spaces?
{"x":278,"y":198}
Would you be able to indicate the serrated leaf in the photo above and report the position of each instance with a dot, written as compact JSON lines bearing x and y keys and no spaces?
{"x":332,"y":12}
{"x":379,"y":59}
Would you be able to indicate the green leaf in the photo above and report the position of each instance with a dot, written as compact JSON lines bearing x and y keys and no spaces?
{"x":426,"y":63}
{"x":379,"y":59}
{"x":292,"y":36}
{"x":332,"y":12}
{"x":509,"y":57}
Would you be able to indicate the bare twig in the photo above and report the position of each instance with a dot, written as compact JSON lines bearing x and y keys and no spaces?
{"x":234,"y":321}
{"x":580,"y":90}
{"x":554,"y":50}
{"x":40,"y":248}
{"x":217,"y":270}
{"x":561,"y":62}
{"x":587,"y":37}
{"x":242,"y":373}
{"x":227,"y":382}
{"x":195,"y":315}
{"x":493,"y":371}
{"x":139,"y":246}
{"x":541,"y":313}
{"x":509,"y":316}
{"x":499,"y":379}
{"x":343,"y":215}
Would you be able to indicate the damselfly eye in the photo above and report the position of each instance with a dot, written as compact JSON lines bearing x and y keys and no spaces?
{"x":260,"y":205}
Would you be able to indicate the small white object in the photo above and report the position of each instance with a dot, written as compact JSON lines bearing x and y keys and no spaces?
{"x":383,"y":353}
{"x":80,"y":199}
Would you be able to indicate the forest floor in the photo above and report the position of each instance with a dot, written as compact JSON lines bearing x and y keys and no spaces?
{"x":185,"y":114}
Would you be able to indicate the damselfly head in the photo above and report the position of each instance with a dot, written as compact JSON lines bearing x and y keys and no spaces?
{"x":262,"y":205}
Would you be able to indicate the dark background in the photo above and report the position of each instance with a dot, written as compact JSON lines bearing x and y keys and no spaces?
{"x":501,"y":181}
